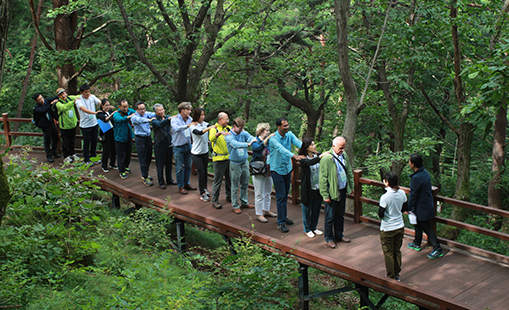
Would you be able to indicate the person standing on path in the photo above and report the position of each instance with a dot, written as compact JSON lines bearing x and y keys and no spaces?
{"x":281,"y":168}
{"x":336,"y":181}
{"x":421,"y":204}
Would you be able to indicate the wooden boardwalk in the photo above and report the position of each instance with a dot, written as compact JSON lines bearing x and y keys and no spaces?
{"x":459,"y":280}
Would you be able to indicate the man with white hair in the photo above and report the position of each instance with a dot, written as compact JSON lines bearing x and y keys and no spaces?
{"x":336,"y":180}
{"x":163,"y":146}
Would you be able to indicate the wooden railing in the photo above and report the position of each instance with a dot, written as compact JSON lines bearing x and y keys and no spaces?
{"x":358,"y":199}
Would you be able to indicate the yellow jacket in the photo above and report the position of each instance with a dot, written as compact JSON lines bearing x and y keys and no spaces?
{"x":219,"y":149}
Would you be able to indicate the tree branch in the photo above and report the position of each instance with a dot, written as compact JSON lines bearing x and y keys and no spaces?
{"x":442,"y":117}
{"x":103,"y":75}
{"x":96,"y":30}
{"x":36,"y":26}
{"x":137,"y":46}
{"x":80,"y":71}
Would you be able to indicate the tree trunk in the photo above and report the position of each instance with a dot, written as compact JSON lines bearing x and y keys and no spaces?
{"x":29,"y":71}
{"x":353,"y":106}
{"x":495,"y":198}
{"x":5,"y":194}
{"x":436,"y":158}
{"x":65,"y":40}
{"x":4,"y":27}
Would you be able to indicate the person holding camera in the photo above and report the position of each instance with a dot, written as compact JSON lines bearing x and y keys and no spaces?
{"x":220,"y":158}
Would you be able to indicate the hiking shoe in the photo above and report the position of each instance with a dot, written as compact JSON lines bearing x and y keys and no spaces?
{"x":56,"y":155}
{"x":204,"y":197}
{"x":148,"y":177}
{"x":105,"y":170}
{"x":237,"y":211}
{"x":207,"y":192}
{"x":413,"y":246}
{"x":50,"y":159}
{"x":127,"y":170}
{"x":114,"y":167}
{"x":89,"y":163}
{"x":289,"y":222}
{"x":75,"y":157}
{"x":310,"y":234}
{"x":435,"y":254}
{"x":68,"y":160}
{"x":147,"y":182}
{"x":282,"y":228}
{"x":123,"y":175}
{"x":217,"y":205}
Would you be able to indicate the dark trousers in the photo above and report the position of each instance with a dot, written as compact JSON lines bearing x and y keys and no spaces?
{"x":311,"y":213}
{"x":201,"y":163}
{"x":68,"y":139}
{"x":334,"y":222}
{"x":221,"y":168}
{"x":164,"y":158}
{"x":391,"y":245}
{"x":144,"y":149}
{"x":432,"y":236}
{"x":109,"y":149}
{"x":282,"y":188}
{"x":50,"y":140}
{"x":124,"y":154}
{"x":89,"y":142}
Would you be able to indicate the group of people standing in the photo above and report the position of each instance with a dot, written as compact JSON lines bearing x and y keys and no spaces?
{"x":325,"y":177}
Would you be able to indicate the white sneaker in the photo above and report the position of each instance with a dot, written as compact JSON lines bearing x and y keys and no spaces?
{"x":318,"y":232}
{"x":310,"y":234}
{"x":75,"y":157}
{"x":68,"y":160}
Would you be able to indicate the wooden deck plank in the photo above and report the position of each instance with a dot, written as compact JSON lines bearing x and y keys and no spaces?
{"x":461,"y":276}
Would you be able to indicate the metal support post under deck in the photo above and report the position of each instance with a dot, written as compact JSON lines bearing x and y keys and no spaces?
{"x":229,"y":242}
{"x":181,"y":234}
{"x":115,"y":202}
{"x":303,"y":287}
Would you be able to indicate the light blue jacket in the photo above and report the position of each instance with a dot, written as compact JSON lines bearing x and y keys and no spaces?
{"x":237,"y":146}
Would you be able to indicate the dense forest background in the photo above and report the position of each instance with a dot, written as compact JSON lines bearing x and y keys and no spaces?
{"x":392,"y":77}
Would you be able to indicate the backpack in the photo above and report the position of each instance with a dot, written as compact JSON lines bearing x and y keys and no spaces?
{"x":54,"y":112}
{"x":35,"y":117}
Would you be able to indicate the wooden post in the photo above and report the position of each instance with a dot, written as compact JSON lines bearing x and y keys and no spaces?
{"x":295,"y":187}
{"x":357,"y":204}
{"x":434,"y":190}
{"x":7,"y":129}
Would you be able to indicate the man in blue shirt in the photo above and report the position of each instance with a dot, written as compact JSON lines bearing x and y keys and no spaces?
{"x":141,"y":124}
{"x":237,"y":144}
{"x":281,"y":168}
{"x":182,"y":146}
{"x":123,"y":137}
{"x":421,"y":204}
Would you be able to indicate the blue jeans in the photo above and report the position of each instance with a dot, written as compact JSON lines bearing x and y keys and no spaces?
{"x":183,"y":162}
{"x":335,"y":218}
{"x":282,"y":188}
{"x":240,"y":177}
{"x":311,"y":213}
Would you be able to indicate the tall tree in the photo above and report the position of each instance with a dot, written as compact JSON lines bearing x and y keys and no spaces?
{"x":4,"y":27}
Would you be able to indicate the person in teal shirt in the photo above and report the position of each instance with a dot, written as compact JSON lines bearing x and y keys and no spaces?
{"x":123,"y":137}
{"x":281,"y":168}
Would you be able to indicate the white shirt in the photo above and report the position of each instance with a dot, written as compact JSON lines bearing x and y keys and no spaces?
{"x":200,"y":143}
{"x":87,"y":120}
{"x":392,"y":201}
